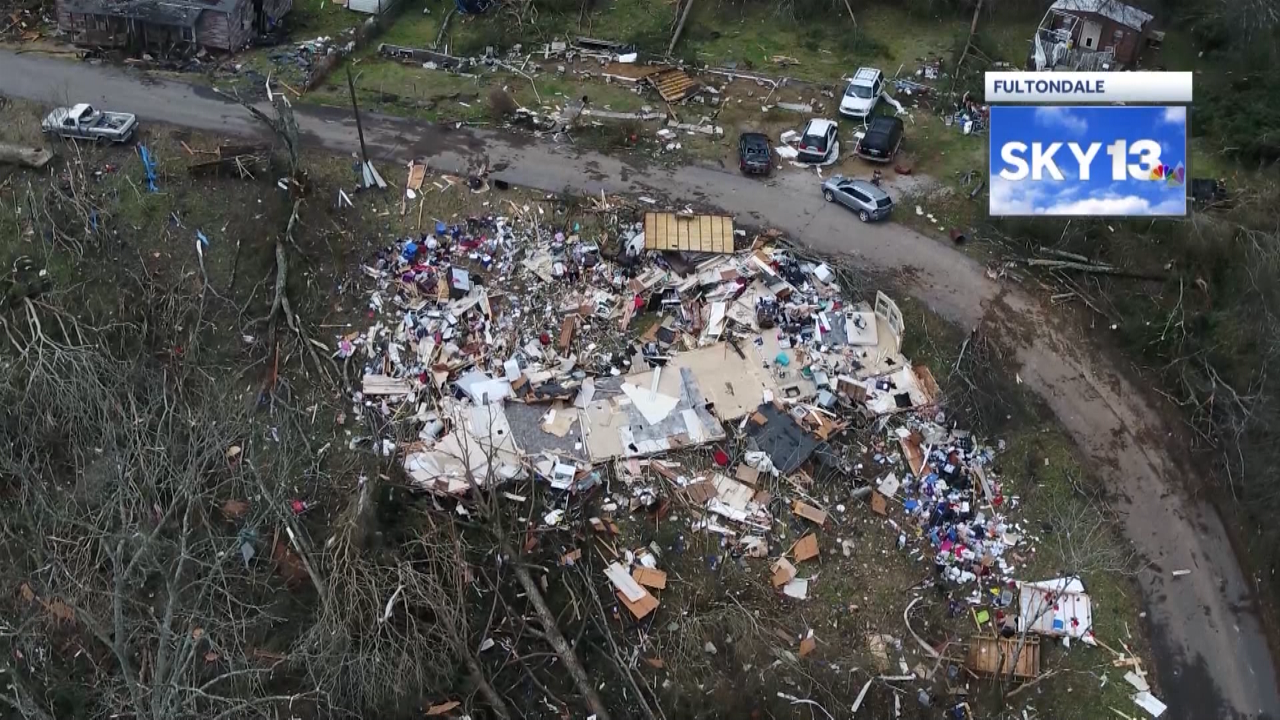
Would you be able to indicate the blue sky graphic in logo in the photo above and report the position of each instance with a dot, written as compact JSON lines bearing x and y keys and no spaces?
{"x":1088,"y":160}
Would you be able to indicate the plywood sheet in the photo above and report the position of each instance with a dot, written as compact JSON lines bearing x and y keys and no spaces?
{"x":990,"y":655}
{"x":688,"y":233}
{"x":734,"y":386}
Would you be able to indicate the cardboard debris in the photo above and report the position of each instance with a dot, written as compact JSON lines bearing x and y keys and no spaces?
{"x":650,"y":578}
{"x":805,"y":548}
{"x":783,"y":572}
{"x":809,"y":512}
{"x":443,"y":708}
{"x":747,"y":474}
{"x":879,"y":505}
{"x":808,"y":645}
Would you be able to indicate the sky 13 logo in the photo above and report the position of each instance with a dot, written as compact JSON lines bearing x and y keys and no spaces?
{"x":1044,"y":158}
{"x":1087,"y":160}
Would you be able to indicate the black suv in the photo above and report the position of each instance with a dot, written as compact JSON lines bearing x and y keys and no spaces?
{"x":882,"y":139}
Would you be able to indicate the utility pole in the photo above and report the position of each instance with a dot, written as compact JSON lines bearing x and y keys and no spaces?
{"x":351,"y":85}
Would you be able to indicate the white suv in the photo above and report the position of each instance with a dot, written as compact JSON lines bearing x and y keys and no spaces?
{"x":863,"y":93}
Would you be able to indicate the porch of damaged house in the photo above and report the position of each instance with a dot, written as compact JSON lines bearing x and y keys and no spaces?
{"x":1090,"y":36}
{"x":168,"y":26}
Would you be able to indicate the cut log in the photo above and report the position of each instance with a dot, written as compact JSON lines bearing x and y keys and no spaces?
{"x":23,"y":156}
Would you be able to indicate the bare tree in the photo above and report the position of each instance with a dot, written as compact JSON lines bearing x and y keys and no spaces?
{"x":145,"y":506}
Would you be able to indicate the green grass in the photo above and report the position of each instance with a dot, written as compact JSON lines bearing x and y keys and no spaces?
{"x":310,"y":19}
{"x":413,"y":28}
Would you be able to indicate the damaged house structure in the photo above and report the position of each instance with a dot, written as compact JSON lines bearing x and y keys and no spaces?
{"x":167,"y":25}
{"x":1091,"y":35}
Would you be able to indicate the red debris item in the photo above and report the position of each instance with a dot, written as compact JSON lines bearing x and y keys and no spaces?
{"x":545,"y":339}
{"x":298,"y":506}
{"x":721,"y":458}
{"x":639,"y":302}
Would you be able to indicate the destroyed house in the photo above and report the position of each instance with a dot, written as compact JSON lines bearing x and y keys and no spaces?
{"x":167,"y":25}
{"x":1091,"y":35}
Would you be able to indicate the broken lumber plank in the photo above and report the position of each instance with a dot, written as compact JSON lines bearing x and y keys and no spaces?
{"x":386,"y":385}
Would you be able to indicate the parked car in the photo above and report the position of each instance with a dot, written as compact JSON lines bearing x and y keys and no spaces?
{"x":862,"y":94}
{"x":85,"y":122}
{"x":881,"y":140}
{"x":818,"y":141}
{"x":755,"y":153}
{"x":860,"y":196}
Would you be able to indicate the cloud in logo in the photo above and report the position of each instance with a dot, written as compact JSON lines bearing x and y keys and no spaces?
{"x":1175,"y":115}
{"x":1061,"y":118}
{"x":1023,"y":198}
{"x":1115,"y":205}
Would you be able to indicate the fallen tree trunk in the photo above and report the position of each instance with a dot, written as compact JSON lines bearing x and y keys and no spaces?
{"x":23,"y":156}
{"x":496,"y":703}
{"x":675,"y":36}
{"x":1064,"y":254}
{"x":1099,"y":269}
{"x":547,"y":619}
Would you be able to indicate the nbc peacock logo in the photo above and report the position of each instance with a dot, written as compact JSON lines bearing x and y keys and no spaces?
{"x":1174,"y":177}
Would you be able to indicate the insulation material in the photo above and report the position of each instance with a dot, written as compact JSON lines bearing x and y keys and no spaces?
{"x":481,"y":448}
{"x":1057,"y":608}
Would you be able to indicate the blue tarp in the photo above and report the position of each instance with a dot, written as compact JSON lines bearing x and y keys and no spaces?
{"x":149,"y":166}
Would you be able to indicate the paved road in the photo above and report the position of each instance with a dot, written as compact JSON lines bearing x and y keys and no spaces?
{"x":1212,"y":659}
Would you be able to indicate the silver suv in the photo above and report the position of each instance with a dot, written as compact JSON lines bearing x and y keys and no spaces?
{"x":860,"y":196}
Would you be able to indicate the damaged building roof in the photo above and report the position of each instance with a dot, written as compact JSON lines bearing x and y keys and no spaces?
{"x":1126,"y":15}
{"x":163,"y":12}
{"x":779,"y":436}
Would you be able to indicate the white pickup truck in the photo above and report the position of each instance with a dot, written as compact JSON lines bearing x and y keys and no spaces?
{"x":85,"y":122}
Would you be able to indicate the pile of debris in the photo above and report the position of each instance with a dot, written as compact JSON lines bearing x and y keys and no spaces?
{"x":511,"y":347}
{"x":311,"y":60}
{"x":26,"y":22}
